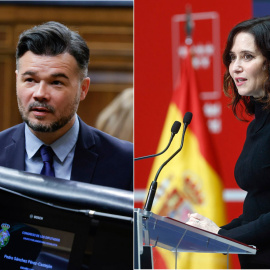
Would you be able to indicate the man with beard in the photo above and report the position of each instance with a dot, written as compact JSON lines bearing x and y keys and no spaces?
{"x":51,"y":80}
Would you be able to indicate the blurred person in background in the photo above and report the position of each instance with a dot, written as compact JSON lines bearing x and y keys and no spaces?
{"x":117,"y":118}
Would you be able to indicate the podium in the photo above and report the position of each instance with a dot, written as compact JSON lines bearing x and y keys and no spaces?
{"x":151,"y":230}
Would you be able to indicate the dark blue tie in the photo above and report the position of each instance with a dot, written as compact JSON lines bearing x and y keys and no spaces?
{"x":47,"y":157}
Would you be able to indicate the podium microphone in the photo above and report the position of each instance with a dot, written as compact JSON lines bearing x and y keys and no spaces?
{"x":153,"y":187}
{"x":174,"y":130}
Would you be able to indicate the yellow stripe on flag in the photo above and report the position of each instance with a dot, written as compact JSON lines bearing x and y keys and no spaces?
{"x":187,"y":184}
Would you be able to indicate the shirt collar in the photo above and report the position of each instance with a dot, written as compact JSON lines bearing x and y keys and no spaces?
{"x":62,"y":147}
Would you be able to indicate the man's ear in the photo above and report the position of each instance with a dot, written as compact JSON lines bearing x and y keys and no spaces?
{"x":84,"y":87}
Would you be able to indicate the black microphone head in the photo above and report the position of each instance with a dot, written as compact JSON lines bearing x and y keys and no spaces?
{"x":187,"y":118}
{"x":175,"y":127}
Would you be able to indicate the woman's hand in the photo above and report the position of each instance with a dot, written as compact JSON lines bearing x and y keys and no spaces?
{"x":199,"y":221}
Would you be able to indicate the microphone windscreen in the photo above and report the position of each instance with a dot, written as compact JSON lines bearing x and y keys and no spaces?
{"x":187,"y":118}
{"x":175,"y":127}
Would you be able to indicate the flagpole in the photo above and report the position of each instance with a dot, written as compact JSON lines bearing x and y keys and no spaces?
{"x":189,"y":26}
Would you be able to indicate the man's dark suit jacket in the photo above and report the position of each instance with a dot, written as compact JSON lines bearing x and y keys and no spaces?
{"x":99,"y":158}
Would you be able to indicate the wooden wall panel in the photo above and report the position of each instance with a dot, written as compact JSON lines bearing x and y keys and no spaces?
{"x":108,"y":32}
{"x":7,"y":96}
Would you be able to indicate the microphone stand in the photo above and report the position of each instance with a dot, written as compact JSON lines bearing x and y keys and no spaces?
{"x":87,"y":212}
{"x":155,"y":155}
{"x":174,"y":130}
{"x":153,"y":187}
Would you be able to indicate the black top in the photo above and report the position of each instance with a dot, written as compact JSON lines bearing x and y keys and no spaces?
{"x":252,"y":174}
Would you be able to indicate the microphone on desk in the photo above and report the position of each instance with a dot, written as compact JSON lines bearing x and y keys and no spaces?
{"x":174,"y":130}
{"x":153,"y":187}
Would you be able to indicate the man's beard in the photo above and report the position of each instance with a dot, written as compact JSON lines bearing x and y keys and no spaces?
{"x":51,"y":127}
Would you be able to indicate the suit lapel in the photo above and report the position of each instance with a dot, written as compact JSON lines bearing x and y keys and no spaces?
{"x":15,"y":152}
{"x":85,"y":157}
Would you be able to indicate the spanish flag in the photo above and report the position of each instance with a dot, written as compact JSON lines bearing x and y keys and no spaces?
{"x":190,"y":182}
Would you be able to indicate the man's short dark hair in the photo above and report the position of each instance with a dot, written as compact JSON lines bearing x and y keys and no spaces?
{"x":51,"y":39}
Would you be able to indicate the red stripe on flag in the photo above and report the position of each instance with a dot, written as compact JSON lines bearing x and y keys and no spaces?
{"x":186,"y":97}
